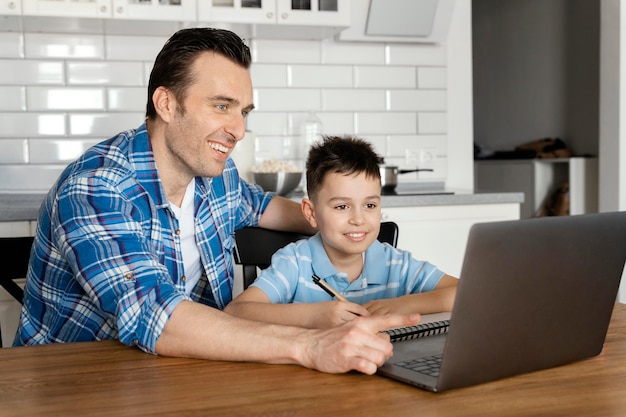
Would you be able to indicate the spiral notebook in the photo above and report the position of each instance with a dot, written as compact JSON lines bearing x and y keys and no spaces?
{"x":533,"y":294}
{"x":429,"y":325}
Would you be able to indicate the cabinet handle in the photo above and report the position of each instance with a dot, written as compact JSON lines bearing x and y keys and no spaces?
{"x":11,"y":5}
{"x":120,"y":10}
{"x":270,"y":15}
{"x":103,"y":9}
{"x":284,"y":16}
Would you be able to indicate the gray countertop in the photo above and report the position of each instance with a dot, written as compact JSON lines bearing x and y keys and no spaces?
{"x":24,"y":207}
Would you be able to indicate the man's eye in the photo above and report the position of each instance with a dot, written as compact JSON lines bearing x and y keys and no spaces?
{"x":222,"y":107}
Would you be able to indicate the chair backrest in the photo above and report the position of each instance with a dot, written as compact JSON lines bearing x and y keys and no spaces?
{"x":254,"y":246}
{"x":14,"y":253}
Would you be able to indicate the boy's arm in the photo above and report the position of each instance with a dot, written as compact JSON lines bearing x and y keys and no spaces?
{"x":436,"y":301}
{"x":255,"y":305}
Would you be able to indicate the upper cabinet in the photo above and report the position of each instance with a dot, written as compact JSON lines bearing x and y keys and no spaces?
{"x":10,"y":7}
{"x":184,"y":10}
{"x":283,"y":12}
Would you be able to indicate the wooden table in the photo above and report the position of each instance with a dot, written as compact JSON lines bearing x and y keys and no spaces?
{"x":108,"y":378}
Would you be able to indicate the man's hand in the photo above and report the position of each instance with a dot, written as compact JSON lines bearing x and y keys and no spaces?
{"x":356,"y":345}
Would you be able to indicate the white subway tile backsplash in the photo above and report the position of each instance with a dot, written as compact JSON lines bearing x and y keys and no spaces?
{"x":13,"y":151}
{"x":386,"y":123}
{"x":127,"y":98}
{"x":417,"y":100}
{"x":32,"y":124}
{"x":432,"y":123}
{"x":286,"y":51}
{"x":28,"y":178}
{"x":106,"y":73}
{"x":133,"y":48}
{"x":19,"y":72}
{"x":55,"y":45}
{"x":294,"y":99}
{"x":64,"y":98}
{"x":11,"y":45}
{"x":68,"y":83}
{"x":417,"y":54}
{"x":58,"y":151}
{"x":385,"y":77}
{"x":12,"y":98}
{"x":268,"y":75}
{"x":353,"y":100}
{"x":337,"y":123}
{"x":353,"y":53}
{"x":103,"y":125}
{"x":431,"y":77}
{"x":268,"y":123}
{"x":320,"y":76}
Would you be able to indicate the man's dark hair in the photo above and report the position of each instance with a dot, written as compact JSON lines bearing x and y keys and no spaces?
{"x":172,"y":66}
{"x":341,"y":154}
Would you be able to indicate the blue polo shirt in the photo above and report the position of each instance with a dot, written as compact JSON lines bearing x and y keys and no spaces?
{"x":387,"y":273}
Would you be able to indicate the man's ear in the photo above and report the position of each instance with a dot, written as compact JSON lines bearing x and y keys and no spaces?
{"x":164,"y":103}
{"x":308,"y":211}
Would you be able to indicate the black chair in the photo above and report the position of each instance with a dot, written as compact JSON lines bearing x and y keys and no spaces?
{"x":14,"y":254}
{"x":254,"y":246}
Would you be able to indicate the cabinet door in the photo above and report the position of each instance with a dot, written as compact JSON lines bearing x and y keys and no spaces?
{"x":314,"y":12}
{"x":68,"y":8}
{"x":155,"y":9}
{"x":438,"y":234}
{"x":237,"y":11}
{"x":10,"y":7}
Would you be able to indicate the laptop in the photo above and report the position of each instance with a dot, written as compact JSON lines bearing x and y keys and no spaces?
{"x":533,"y":294}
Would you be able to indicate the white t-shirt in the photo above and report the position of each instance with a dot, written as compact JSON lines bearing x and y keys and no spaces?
{"x":186,"y":221}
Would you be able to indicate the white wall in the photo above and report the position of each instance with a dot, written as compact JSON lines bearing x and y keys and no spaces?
{"x":69,"y":83}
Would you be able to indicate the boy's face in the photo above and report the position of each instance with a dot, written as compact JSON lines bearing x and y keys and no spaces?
{"x":346,"y":211}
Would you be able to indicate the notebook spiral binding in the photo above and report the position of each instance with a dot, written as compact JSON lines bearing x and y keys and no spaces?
{"x":419,"y":330}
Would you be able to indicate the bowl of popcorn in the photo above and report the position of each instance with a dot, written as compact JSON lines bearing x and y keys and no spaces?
{"x":278,"y":176}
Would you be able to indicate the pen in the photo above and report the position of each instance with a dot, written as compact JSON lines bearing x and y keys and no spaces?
{"x":330,"y":290}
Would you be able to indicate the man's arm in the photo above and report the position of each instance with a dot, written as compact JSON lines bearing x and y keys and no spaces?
{"x":286,"y":215}
{"x":198,"y":331}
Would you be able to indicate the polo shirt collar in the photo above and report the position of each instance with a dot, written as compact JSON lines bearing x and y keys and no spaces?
{"x":374,"y":271}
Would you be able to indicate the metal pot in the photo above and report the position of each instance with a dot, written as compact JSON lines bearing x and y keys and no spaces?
{"x":389,"y":175}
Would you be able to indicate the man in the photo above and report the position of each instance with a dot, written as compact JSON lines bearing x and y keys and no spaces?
{"x":134,"y":241}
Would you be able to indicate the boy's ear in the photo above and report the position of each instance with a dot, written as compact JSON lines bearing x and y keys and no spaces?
{"x":308,"y":211}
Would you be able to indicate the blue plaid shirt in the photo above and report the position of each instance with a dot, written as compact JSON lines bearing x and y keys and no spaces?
{"x":106,"y":262}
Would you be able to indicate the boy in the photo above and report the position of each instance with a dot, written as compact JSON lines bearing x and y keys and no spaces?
{"x":344,"y":204}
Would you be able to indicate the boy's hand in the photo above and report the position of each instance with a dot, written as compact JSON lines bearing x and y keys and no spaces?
{"x":335,"y":313}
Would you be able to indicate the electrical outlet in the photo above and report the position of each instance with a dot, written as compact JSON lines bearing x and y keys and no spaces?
{"x":411,"y":158}
{"x":426,"y":158}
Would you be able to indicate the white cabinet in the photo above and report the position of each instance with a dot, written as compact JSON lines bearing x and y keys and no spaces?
{"x":122,"y":9}
{"x":438,"y":234}
{"x":285,"y":12}
{"x":10,"y":7}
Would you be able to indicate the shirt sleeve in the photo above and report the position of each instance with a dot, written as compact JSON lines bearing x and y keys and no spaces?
{"x":420,"y":276}
{"x":279,"y":281}
{"x":107,"y":236}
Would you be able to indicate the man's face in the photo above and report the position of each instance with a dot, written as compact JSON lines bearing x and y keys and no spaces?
{"x":205,"y":128}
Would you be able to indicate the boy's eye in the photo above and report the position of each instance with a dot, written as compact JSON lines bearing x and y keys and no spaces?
{"x":341,"y":206}
{"x":371,"y":205}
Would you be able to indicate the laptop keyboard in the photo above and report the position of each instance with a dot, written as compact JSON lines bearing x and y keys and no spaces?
{"x":428,"y":365}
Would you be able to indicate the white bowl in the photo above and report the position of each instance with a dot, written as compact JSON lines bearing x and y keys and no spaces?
{"x":282,"y":183}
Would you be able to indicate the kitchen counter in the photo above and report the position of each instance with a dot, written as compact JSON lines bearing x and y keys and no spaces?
{"x":21,"y":207}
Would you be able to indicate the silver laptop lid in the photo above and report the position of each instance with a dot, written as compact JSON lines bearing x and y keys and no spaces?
{"x":533,"y":294}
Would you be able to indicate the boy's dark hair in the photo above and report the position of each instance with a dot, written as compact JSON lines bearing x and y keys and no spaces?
{"x":172,"y":66}
{"x":341,"y":154}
